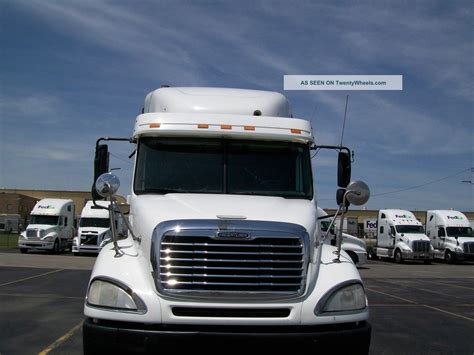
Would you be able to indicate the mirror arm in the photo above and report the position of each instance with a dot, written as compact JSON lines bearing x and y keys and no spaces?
{"x":333,"y":147}
{"x":131,"y":140}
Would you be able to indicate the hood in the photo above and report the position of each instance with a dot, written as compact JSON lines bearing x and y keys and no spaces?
{"x":98,"y":230}
{"x":347,"y":238}
{"x":415,"y":236}
{"x":44,"y":227}
{"x":461,"y":240}
{"x":149,"y":210}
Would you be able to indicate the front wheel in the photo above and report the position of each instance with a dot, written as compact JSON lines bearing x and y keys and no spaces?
{"x":450,"y":257}
{"x":56,"y":247}
{"x":398,"y":256}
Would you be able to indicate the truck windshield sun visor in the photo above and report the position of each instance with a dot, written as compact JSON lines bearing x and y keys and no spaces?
{"x":186,"y":165}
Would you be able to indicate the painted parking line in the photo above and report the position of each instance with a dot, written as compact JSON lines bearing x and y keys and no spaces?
{"x":48,"y":296}
{"x":61,"y":340}
{"x":449,"y":284}
{"x":417,"y":281}
{"x":393,"y":296}
{"x":31,"y":277}
{"x":423,"y":305}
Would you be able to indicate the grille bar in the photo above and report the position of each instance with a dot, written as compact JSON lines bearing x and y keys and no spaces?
{"x":421,"y":246}
{"x":273,"y":261}
{"x":195,"y":261}
{"x":469,"y":248}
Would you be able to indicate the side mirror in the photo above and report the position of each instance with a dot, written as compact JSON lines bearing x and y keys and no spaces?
{"x":357,"y":193}
{"x":101,"y":166}
{"x":343,"y":169}
{"x":107,"y":185}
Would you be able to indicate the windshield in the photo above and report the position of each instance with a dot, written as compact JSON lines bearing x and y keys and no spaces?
{"x":223,"y":167}
{"x":94,"y":222}
{"x":459,"y":231}
{"x":37,"y":219}
{"x":410,"y":229}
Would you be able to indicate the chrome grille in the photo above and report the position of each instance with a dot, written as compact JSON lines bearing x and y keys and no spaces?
{"x":469,"y":248}
{"x":421,"y":246}
{"x":33,"y":233}
{"x":272,"y":261}
{"x":89,"y":239}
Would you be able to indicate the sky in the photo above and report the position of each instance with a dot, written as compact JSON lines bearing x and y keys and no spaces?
{"x":74,"y":71}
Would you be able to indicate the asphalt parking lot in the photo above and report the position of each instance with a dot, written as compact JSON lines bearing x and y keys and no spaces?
{"x":415,"y":308}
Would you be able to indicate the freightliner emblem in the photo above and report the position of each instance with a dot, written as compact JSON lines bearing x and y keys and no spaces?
{"x":233,"y":235}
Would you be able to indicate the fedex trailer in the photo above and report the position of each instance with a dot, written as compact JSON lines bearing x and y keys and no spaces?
{"x":451,"y":235}
{"x":51,"y":226}
{"x":400,"y":236}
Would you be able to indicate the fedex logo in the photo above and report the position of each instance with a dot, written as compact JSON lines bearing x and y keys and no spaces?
{"x":371,"y":224}
{"x":455,"y":217}
{"x":402,"y":216}
{"x":46,"y":207}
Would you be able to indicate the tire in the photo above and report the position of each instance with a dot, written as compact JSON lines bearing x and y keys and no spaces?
{"x":23,"y":250}
{"x":56,"y":248}
{"x":449,"y":257}
{"x":398,"y":256}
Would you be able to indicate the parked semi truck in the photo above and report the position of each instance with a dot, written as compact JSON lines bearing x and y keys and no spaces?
{"x":94,"y":228}
{"x":402,"y":237}
{"x":353,"y":246}
{"x":224,"y":241}
{"x":51,"y":226}
{"x":451,"y":235}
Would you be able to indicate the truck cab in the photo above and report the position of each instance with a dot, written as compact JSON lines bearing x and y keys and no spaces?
{"x":94,"y":228}
{"x":451,"y":235}
{"x":402,"y":237}
{"x":224,"y":241}
{"x":51,"y":226}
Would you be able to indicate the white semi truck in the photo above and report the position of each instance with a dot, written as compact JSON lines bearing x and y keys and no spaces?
{"x":224,"y":241}
{"x":51,"y":226}
{"x":353,"y":246}
{"x":94,"y":228}
{"x":451,"y":235}
{"x":402,"y":237}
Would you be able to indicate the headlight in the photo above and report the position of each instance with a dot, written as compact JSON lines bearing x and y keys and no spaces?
{"x":111,"y":294}
{"x":345,"y":298}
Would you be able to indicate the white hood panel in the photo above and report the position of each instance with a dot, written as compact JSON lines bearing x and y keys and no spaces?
{"x":150,"y":210}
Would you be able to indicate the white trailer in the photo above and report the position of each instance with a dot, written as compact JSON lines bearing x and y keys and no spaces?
{"x":94,"y":230}
{"x":224,"y":240}
{"x":451,"y":235}
{"x":402,"y":237}
{"x":51,"y":226}
{"x":353,"y":246}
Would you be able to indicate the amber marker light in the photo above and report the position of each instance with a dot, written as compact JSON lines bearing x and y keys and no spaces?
{"x":296,"y":131}
{"x":249,"y":128}
{"x":202,"y":125}
{"x":154,"y":125}
{"x":226,"y":126}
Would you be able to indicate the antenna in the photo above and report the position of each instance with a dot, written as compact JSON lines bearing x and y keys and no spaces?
{"x":344,"y":123}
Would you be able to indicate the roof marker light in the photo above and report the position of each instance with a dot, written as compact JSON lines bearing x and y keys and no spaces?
{"x":249,"y":128}
{"x":154,"y":125}
{"x":202,"y":125}
{"x":226,"y":126}
{"x":296,"y":131}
